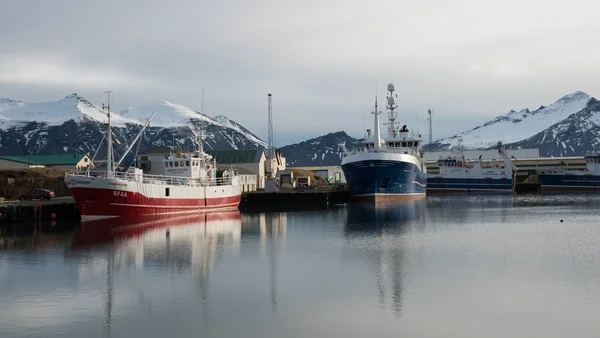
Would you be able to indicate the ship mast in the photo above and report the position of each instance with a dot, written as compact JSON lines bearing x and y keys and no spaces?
{"x":377,"y":132}
{"x":200,"y":144}
{"x":109,"y":160}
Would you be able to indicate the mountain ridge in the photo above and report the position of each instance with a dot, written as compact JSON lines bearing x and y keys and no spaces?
{"x":519,"y":129}
{"x":568,"y":127}
{"x":74,"y":124}
{"x":318,"y":151}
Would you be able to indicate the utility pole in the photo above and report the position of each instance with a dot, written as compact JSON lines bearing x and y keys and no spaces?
{"x":271,"y":151}
{"x":430,"y":112}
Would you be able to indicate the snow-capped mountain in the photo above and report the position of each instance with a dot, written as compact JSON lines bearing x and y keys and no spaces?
{"x":6,"y":104}
{"x":568,"y":127}
{"x":169,"y":114}
{"x":320,"y":151}
{"x":75,"y":125}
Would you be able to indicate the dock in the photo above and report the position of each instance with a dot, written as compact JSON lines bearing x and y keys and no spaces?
{"x":15,"y":211}
{"x":293,"y":199}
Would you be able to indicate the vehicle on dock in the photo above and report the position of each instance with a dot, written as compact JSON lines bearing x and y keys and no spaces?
{"x":572,"y":180}
{"x":37,"y":194}
{"x":459,"y":175}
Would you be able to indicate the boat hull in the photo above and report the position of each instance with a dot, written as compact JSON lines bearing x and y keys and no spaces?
{"x":104,"y":198}
{"x":569,"y":182}
{"x":383,"y":177}
{"x":107,"y":230}
{"x":442,"y":185}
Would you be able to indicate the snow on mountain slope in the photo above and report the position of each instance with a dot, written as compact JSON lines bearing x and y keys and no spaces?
{"x":169,"y":114}
{"x":319,"y":151}
{"x":6,"y":104}
{"x":227,"y":123}
{"x":573,"y":136}
{"x":77,"y":108}
{"x":56,"y":113}
{"x":516,"y":126}
{"x":73,"y":124}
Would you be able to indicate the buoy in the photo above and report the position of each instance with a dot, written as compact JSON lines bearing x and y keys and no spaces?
{"x":53,"y":216}
{"x":561,"y":220}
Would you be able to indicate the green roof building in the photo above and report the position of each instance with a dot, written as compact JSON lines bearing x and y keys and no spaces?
{"x":225,"y":157}
{"x":65,"y":161}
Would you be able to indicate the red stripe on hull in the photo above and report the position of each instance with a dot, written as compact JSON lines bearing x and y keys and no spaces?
{"x":103,"y":231}
{"x":104,"y":203}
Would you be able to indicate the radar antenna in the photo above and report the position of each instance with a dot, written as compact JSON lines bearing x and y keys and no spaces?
{"x":392,"y":115}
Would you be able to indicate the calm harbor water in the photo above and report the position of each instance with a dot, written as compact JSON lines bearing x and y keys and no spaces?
{"x":457,"y":266}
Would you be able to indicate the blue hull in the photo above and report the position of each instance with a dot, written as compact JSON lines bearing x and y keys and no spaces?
{"x":441,"y":185}
{"x":569,"y":182}
{"x":384,"y":179}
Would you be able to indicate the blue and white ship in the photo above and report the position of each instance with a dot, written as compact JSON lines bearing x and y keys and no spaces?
{"x":390,"y":168}
{"x":457,"y":175}
{"x":573,"y":180}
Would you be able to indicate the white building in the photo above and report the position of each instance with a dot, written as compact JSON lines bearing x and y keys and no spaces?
{"x":249,"y":161}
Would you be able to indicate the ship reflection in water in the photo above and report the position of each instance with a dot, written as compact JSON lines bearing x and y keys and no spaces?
{"x":178,"y":245}
{"x":374,"y":232}
{"x":394,"y":217}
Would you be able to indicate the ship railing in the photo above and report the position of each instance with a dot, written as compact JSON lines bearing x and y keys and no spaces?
{"x":383,"y":149}
{"x":158,"y":179}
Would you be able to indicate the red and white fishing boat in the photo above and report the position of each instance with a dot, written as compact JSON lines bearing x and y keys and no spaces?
{"x":189,"y":185}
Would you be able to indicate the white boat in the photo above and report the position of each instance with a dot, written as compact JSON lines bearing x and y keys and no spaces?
{"x":190,"y":184}
{"x":572,"y":180}
{"x":459,"y":175}
{"x":389,"y":168}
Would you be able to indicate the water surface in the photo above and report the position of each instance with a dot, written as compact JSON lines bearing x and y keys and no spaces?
{"x":456,"y":266}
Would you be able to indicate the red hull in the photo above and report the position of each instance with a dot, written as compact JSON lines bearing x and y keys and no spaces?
{"x":107,"y":230}
{"x":102,"y":203}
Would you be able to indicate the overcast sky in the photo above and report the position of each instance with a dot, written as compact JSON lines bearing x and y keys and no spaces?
{"x":468,"y":60}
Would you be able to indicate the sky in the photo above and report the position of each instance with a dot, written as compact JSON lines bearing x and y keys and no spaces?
{"x":323,"y":61}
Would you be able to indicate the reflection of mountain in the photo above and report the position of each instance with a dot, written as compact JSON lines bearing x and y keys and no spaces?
{"x":375,"y":233}
{"x":177,"y":244}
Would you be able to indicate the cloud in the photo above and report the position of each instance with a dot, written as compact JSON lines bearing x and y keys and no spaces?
{"x":58,"y":71}
{"x":319,"y":59}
